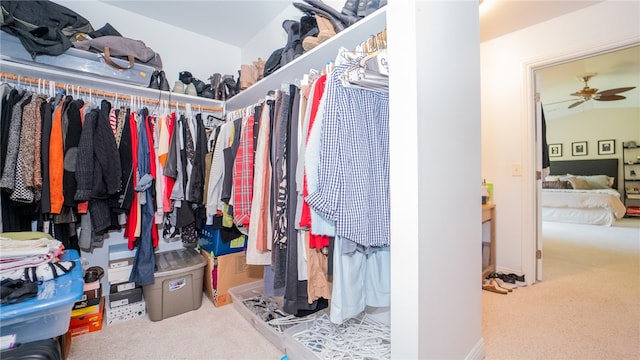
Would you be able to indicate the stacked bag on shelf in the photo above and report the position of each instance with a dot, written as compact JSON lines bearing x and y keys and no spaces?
{"x":46,"y":28}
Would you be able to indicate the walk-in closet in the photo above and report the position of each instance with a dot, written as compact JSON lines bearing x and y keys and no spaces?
{"x":337,"y":185}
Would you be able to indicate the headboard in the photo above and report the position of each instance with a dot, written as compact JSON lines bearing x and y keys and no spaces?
{"x":607,"y":167}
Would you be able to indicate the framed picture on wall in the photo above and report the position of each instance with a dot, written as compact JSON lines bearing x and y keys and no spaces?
{"x":555,"y":150}
{"x":579,"y":148}
{"x":606,"y":147}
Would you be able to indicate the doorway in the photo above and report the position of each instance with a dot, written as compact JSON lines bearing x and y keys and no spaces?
{"x":587,"y":121}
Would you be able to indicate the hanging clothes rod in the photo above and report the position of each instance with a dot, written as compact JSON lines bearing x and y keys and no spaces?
{"x":102,"y":88}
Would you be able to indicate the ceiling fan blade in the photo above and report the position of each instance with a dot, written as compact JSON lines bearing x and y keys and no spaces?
{"x":575,"y":104}
{"x":559,"y":102}
{"x":615,"y":91}
{"x":610,"y":97}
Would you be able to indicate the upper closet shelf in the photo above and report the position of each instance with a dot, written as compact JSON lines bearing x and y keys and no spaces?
{"x":99,"y":83}
{"x":349,"y":38}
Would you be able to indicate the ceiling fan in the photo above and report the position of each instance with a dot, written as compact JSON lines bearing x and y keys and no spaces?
{"x":587,"y":93}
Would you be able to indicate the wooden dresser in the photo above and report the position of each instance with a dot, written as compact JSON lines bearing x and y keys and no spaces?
{"x":489,"y":215}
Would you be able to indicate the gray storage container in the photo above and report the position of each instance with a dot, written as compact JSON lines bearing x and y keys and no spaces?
{"x":78,"y":61}
{"x":178,"y":284}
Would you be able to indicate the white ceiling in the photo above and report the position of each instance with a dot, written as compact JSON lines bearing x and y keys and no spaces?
{"x":237,"y":22}
{"x":500,"y":17}
{"x":615,"y":69}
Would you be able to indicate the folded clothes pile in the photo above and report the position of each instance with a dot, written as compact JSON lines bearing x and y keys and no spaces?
{"x":31,"y":257}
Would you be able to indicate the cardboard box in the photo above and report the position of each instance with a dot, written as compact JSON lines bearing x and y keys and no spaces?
{"x":230,"y":270}
{"x":87,"y":323}
{"x":125,"y":297}
{"x":128,"y":285}
{"x":121,"y":256}
{"x":119,"y":274}
{"x":90,"y":297}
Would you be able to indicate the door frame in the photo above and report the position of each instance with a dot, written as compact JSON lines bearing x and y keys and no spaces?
{"x":532,"y":221}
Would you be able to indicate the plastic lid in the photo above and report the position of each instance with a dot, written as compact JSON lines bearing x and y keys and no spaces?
{"x":62,"y":291}
{"x":178,"y":261}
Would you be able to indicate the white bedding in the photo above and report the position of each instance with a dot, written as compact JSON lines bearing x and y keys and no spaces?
{"x":598,"y":207}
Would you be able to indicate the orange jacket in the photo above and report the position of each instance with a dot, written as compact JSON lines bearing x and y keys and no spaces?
{"x":56,"y":161}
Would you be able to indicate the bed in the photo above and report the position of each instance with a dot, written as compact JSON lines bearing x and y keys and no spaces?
{"x":582,"y":192}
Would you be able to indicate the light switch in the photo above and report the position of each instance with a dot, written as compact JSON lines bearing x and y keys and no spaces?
{"x":516,"y":169}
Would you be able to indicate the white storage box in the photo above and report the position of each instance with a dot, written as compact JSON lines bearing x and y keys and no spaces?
{"x":125,"y":312}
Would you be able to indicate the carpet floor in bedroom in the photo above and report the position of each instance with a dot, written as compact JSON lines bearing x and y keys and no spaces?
{"x":585,"y":308}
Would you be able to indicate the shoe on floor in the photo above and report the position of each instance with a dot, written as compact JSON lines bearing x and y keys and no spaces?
{"x":504,"y":285}
{"x":491,"y":285}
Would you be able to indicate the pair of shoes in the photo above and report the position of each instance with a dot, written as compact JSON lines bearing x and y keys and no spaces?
{"x":159,"y":81}
{"x":501,"y":283}
{"x":326,"y":31}
{"x":492,"y":285}
{"x":510,"y":278}
{"x":217,"y":87}
{"x":230,"y":85}
{"x":250,"y":74}
{"x":223,"y":87}
{"x":181,"y":88}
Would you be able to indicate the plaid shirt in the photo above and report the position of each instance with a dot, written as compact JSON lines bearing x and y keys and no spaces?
{"x":243,"y":175}
{"x":353,"y":176}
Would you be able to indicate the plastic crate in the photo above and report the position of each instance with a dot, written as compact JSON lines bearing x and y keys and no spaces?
{"x":361,"y":337}
{"x":48,"y":314}
{"x":273,"y":330}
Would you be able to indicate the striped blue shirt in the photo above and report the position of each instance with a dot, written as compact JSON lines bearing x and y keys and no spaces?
{"x":353,"y":173}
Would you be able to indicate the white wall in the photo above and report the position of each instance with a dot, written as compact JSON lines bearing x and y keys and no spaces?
{"x":435,"y":180}
{"x":179,"y":49}
{"x":507,"y":116}
{"x":273,"y":36}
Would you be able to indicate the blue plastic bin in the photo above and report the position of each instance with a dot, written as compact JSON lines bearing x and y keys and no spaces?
{"x":48,"y":314}
{"x":210,"y":240}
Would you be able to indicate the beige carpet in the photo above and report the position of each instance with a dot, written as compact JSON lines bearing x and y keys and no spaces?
{"x":587,"y":306}
{"x":206,"y":333}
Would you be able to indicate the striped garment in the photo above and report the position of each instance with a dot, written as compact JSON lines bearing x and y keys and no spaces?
{"x":353,"y":174}
{"x":113,"y":120}
{"x":243,"y":175}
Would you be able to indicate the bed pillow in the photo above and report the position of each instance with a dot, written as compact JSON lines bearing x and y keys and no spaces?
{"x":579,"y":184}
{"x":556,"y":184}
{"x":552,"y":178}
{"x":596,"y":181}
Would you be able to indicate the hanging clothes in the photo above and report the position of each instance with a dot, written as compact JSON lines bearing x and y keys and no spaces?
{"x":142,"y":272}
{"x":107,"y":172}
{"x":16,"y":216}
{"x":260,"y":230}
{"x":353,"y":192}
